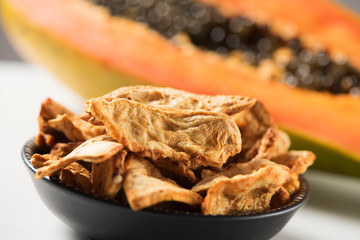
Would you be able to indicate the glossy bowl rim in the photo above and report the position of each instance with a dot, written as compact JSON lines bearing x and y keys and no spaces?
{"x":298,"y":200}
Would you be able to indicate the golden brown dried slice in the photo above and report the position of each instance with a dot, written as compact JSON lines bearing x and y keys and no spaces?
{"x":199,"y":137}
{"x":63,"y":149}
{"x":234,"y":169}
{"x":133,"y":161}
{"x":74,"y":128}
{"x":58,"y":124}
{"x":45,"y":141}
{"x":206,"y":183}
{"x":77,"y":176}
{"x":298,"y":162}
{"x":47,"y":136}
{"x":64,"y":124}
{"x":177,"y":170}
{"x":87,"y":129}
{"x":229,"y":171}
{"x":272,"y":143}
{"x":51,"y":109}
{"x":182,"y":100}
{"x":245,"y":194}
{"x":38,"y":160}
{"x":280,"y":198}
{"x":145,"y":186}
{"x":94,"y":150}
{"x":292,"y":185}
{"x":107,"y":176}
{"x":253,"y":123}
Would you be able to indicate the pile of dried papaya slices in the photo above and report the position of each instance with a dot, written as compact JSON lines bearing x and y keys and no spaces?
{"x":153,"y":147}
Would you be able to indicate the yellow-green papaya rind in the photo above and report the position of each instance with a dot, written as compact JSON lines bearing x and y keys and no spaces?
{"x":88,"y":77}
{"x":92,"y":78}
{"x":328,"y":158}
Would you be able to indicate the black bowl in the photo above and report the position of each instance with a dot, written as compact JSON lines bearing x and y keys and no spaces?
{"x":104,"y":219}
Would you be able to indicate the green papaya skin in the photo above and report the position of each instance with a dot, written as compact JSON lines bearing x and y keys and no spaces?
{"x":328,"y":158}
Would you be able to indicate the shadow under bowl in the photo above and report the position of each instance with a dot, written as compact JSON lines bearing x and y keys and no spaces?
{"x":98,"y":218}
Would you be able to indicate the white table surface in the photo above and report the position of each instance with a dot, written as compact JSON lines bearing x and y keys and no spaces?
{"x":333,"y":211}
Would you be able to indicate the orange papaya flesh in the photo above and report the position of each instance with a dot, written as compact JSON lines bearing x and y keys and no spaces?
{"x":333,"y":119}
{"x":209,"y":29}
{"x":319,"y":22}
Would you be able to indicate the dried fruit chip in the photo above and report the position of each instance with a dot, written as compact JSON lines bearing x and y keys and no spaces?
{"x":229,"y":171}
{"x":200,"y":137}
{"x":47,"y":136}
{"x":181,"y":100}
{"x":64,"y":124}
{"x":179,"y":171}
{"x":51,"y":109}
{"x":58,"y":124}
{"x":298,"y":162}
{"x":97,"y":149}
{"x":87,"y":129}
{"x":145,"y":186}
{"x":245,"y":194}
{"x":280,"y":198}
{"x":63,"y":149}
{"x":39,"y":161}
{"x":77,"y":176}
{"x":107,"y":176}
{"x":292,"y":185}
{"x":272,"y":143}
{"x":253,"y":123}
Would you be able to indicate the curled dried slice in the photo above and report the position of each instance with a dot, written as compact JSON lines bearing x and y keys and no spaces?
{"x":97,"y":149}
{"x":177,"y":170}
{"x":51,"y":109}
{"x":280,"y":198}
{"x":47,"y":136}
{"x":292,"y":185}
{"x":272,"y":143}
{"x":199,"y":137}
{"x":58,"y":124}
{"x":229,"y":171}
{"x":182,"y":100}
{"x":144,"y":166}
{"x":107,"y":176}
{"x":145,"y":186}
{"x":253,"y":123}
{"x":245,"y":194}
{"x":39,"y":161}
{"x":87,"y":129}
{"x":64,"y":124}
{"x":74,"y":128}
{"x":63,"y":149}
{"x":298,"y":162}
{"x":77,"y":176}
{"x":206,"y":183}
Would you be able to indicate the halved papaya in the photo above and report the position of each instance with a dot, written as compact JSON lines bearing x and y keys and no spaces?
{"x":96,"y":48}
